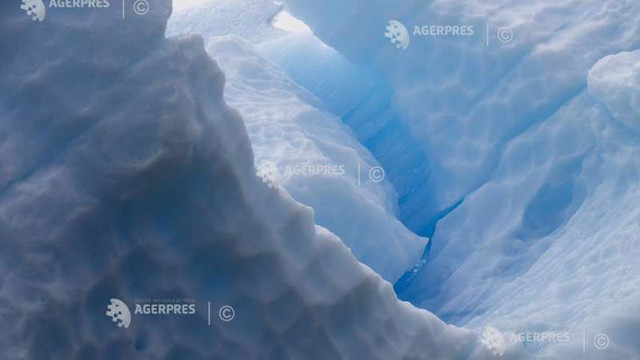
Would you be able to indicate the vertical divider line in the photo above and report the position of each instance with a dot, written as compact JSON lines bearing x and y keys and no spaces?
{"x":487,"y":34}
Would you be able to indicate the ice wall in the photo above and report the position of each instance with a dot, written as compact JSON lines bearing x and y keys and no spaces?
{"x":124,"y":174}
{"x":364,"y":101}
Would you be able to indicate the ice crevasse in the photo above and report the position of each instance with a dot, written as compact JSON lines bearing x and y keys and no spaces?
{"x":295,"y":132}
{"x":124,"y":174}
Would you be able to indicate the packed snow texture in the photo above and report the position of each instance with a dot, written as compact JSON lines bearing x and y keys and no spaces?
{"x":124,"y":175}
{"x":523,"y":153}
{"x":534,"y":175}
{"x":316,"y":158}
{"x":615,"y":81}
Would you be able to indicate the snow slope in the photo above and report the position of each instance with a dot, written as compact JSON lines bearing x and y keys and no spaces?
{"x":124,"y":174}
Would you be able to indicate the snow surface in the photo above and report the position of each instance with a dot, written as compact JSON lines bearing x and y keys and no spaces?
{"x":523,"y":154}
{"x":289,"y":130}
{"x":124,"y":174}
{"x":526,"y":160}
{"x":615,"y":81}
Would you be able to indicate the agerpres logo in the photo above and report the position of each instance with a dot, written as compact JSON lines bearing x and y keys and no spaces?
{"x":268,"y":172}
{"x":75,"y":4}
{"x":120,"y":314}
{"x":399,"y":35}
{"x":493,"y":339}
{"x":35,"y":9}
{"x":38,"y":10}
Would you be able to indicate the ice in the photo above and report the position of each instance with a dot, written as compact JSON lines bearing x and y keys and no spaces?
{"x":364,"y":101}
{"x":615,"y":81}
{"x":523,"y":152}
{"x":290,"y":131}
{"x":526,"y":158}
{"x":304,"y":134}
{"x":125,"y":175}
{"x":250,"y":19}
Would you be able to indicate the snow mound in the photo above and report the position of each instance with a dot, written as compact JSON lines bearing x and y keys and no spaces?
{"x":125,"y":175}
{"x":615,"y":81}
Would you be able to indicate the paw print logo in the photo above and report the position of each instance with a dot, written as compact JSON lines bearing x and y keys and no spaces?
{"x":268,"y":172}
{"x":398,"y":34}
{"x":493,"y":339}
{"x":119,"y":312}
{"x":35,"y":9}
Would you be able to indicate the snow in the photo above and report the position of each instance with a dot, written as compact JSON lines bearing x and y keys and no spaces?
{"x":250,"y":19}
{"x":125,"y":175}
{"x":615,"y":81}
{"x":519,"y":155}
{"x":289,"y":129}
{"x":529,"y":141}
